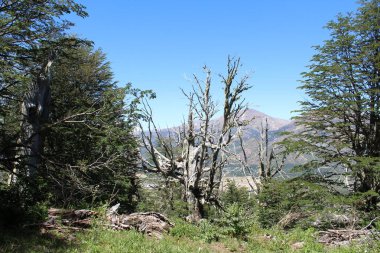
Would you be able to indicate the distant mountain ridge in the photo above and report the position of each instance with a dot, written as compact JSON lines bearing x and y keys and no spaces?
{"x":259,"y":118}
{"x":256,"y":118}
{"x":251,"y":137}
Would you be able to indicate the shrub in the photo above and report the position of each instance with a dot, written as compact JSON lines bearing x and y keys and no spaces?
{"x":166,"y":200}
{"x":237,"y":195}
{"x":239,"y":211}
{"x":209,"y":232}
{"x":235,"y":221}
{"x":18,"y":206}
{"x":367,"y":201}
{"x":280,"y":198}
{"x":185,"y":229}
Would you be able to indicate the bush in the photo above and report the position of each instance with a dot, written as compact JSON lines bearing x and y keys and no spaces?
{"x":204,"y":231}
{"x":367,"y":201}
{"x":185,"y":229}
{"x":237,"y":195}
{"x":239,"y":211}
{"x":209,"y":232}
{"x":280,"y":198}
{"x":235,"y":221}
{"x":166,"y":200}
{"x":18,"y":206}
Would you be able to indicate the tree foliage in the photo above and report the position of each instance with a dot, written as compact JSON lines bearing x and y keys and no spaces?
{"x":86,"y":152}
{"x":90,"y":151}
{"x":31,"y":32}
{"x":341,"y":118}
{"x":27,"y":30}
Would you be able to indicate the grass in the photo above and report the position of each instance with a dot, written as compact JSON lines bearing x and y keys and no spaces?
{"x":96,"y":240}
{"x":183,"y":238}
{"x":284,"y":241}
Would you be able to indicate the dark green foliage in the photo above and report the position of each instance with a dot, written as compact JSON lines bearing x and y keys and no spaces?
{"x":20,"y":207}
{"x":167,"y":199}
{"x":367,"y":202}
{"x":91,"y":153}
{"x":279,"y":198}
{"x":301,"y":203}
{"x":236,"y":221}
{"x":210,"y":232}
{"x":341,"y":117}
{"x":238,"y":215}
{"x":237,"y":195}
{"x":30,"y":33}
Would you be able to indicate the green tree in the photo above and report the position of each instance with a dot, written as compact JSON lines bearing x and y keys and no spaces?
{"x":28,"y":30}
{"x":90,"y":151}
{"x":341,"y":118}
{"x":31,"y":34}
{"x":76,"y":133}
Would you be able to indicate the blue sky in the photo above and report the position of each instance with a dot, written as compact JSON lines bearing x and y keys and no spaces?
{"x":159,"y":44}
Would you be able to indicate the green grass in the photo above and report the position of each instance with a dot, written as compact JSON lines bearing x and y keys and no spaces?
{"x":183,"y":238}
{"x":276,"y":240}
{"x":99,"y":240}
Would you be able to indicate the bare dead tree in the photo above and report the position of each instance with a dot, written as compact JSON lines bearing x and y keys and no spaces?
{"x":271,"y":160}
{"x":196,"y":156}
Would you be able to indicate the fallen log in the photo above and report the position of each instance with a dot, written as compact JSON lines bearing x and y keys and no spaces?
{"x":71,"y":214}
{"x":150,"y":223}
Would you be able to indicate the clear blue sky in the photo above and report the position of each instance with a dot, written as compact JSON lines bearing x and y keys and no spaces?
{"x":159,"y":44}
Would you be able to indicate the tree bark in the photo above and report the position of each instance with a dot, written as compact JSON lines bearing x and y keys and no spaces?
{"x":35,"y":112}
{"x":195,"y":206}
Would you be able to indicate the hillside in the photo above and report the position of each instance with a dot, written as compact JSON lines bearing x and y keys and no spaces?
{"x":251,"y":137}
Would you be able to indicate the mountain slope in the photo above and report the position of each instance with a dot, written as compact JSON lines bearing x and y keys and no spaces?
{"x":251,"y":137}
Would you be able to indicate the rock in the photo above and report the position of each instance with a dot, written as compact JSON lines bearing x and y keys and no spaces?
{"x":297,"y":245}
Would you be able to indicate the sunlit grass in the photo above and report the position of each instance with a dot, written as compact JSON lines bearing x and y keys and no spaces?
{"x":186,"y":238}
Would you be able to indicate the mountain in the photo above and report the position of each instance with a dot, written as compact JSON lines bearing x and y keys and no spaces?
{"x":275,"y":124}
{"x":256,"y":119}
{"x":251,"y":137}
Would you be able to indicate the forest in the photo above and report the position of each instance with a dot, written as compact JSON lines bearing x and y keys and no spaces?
{"x":85,"y":167}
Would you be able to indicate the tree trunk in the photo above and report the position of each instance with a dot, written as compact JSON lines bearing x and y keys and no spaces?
{"x":195,"y":206}
{"x":35,"y":112}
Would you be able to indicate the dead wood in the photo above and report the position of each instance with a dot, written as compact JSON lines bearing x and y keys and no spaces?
{"x":289,"y":219}
{"x":344,"y":236}
{"x":150,"y":223}
{"x":61,"y":220}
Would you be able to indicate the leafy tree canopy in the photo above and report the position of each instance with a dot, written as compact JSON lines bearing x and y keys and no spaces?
{"x":341,"y":118}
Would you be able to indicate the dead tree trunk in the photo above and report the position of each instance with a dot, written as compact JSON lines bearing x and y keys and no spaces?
{"x":35,"y":112}
{"x":199,"y":146}
{"x":271,"y":161}
{"x":191,"y":180}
